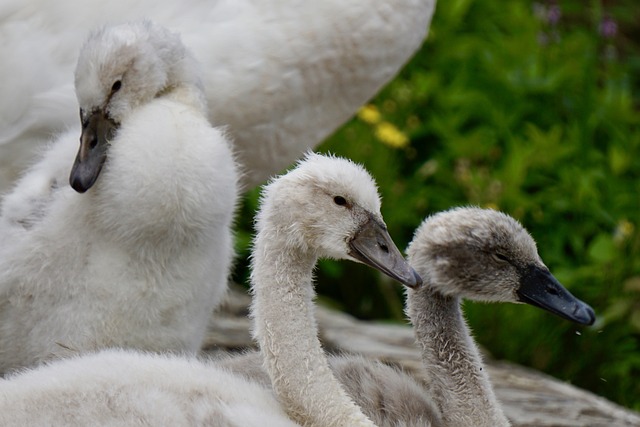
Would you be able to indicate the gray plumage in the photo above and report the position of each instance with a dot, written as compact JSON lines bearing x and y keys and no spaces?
{"x":482,"y":255}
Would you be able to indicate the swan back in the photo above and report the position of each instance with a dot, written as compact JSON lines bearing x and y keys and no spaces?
{"x":124,"y":388}
{"x":291,"y":73}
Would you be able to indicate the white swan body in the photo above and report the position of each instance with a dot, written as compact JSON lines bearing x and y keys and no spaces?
{"x":142,"y":258}
{"x":338,"y":215}
{"x":123,"y":388}
{"x":282,"y":74}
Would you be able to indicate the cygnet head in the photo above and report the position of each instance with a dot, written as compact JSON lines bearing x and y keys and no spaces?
{"x":486,"y":255}
{"x":329,"y":207}
{"x":119,"y":69}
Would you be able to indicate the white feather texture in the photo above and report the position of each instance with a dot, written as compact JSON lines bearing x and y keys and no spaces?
{"x":282,"y":74}
{"x":118,"y":388}
{"x":317,"y":210}
{"x":327,"y":200}
{"x":141,"y":259}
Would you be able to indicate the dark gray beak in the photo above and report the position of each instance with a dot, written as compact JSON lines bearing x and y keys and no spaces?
{"x":97,"y":130}
{"x":538,"y":287}
{"x":373,"y":246}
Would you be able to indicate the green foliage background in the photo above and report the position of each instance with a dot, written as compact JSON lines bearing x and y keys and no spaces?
{"x":533,"y":109}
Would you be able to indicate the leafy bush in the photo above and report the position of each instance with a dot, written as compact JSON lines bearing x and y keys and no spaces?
{"x":532,"y":109}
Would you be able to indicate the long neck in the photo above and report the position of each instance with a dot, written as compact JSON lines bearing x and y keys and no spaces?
{"x":456,"y":378}
{"x":285,"y":327}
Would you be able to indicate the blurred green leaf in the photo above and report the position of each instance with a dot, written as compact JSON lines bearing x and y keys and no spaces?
{"x":602,"y":249}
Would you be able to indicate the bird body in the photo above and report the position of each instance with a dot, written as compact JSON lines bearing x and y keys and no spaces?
{"x":281,"y":74}
{"x":142,"y":257}
{"x":333,"y":216}
{"x":126,"y":388}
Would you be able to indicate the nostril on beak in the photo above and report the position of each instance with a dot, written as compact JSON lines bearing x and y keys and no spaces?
{"x":553,"y":291}
{"x":94,"y":142}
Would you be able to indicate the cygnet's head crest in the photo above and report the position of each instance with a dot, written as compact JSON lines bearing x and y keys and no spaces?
{"x":475,"y":253}
{"x":329,"y":207}
{"x":321,"y":202}
{"x":123,"y":66}
{"x":486,"y":255}
{"x":337,"y":177}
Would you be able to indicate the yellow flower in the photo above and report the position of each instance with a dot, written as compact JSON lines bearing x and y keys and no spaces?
{"x":623,"y":230}
{"x":369,"y":114}
{"x":390,"y":135}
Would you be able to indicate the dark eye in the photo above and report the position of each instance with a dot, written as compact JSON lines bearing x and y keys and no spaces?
{"x":340,"y":201}
{"x":499,"y":257}
{"x":116,"y":86}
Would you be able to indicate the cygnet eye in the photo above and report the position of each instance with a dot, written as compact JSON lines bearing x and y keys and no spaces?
{"x":340,"y":201}
{"x":116,"y":86}
{"x":502,"y":258}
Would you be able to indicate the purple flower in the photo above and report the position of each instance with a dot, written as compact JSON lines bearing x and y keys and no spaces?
{"x":608,"y":28}
{"x":553,"y":14}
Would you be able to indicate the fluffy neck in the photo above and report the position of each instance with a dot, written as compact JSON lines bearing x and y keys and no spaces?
{"x":456,"y":378}
{"x":189,"y":94}
{"x":184,"y":83}
{"x":286,"y":329}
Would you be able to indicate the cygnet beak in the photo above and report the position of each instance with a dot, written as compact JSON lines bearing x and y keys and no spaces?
{"x":373,"y":246}
{"x":97,"y":130}
{"x":538,"y":287}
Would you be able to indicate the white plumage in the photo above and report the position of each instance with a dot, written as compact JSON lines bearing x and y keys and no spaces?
{"x":282,"y":74}
{"x":123,"y":389}
{"x":142,"y":258}
{"x":325,"y":207}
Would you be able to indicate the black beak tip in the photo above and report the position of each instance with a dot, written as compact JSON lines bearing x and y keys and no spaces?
{"x":79,"y":181}
{"x":77,"y":185}
{"x":584,"y":314}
